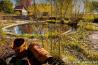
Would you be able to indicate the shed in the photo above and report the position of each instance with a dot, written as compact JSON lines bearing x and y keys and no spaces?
{"x":22,"y":10}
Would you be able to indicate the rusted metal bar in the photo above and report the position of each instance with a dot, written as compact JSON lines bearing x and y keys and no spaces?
{"x":18,"y":42}
{"x":40,"y":53}
{"x":35,"y":53}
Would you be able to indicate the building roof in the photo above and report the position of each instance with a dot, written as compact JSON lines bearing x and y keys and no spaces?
{"x":18,"y":7}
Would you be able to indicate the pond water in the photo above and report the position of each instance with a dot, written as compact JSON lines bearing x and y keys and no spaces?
{"x":38,"y":28}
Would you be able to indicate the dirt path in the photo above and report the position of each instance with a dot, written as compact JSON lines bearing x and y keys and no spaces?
{"x":93,"y":37}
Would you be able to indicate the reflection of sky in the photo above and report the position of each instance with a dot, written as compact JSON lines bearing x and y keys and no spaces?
{"x":17,"y":30}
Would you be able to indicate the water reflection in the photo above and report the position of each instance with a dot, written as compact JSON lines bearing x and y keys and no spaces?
{"x":17,"y":30}
{"x":36,"y":28}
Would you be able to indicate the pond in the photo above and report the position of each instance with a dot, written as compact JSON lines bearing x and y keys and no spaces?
{"x":38,"y":28}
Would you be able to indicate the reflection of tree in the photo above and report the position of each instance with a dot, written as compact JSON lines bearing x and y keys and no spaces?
{"x":26,"y":29}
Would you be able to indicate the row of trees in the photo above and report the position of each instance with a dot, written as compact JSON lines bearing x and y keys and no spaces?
{"x":60,"y":6}
{"x":95,"y":6}
{"x":6,"y":6}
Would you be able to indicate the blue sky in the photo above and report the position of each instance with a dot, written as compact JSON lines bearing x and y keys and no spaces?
{"x":79,"y":5}
{"x":13,"y":1}
{"x":44,"y":1}
{"x":37,"y":1}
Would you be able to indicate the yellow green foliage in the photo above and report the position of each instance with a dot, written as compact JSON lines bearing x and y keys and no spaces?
{"x":88,"y":16}
{"x":17,"y":13}
{"x":91,"y":27}
{"x":39,"y":8}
